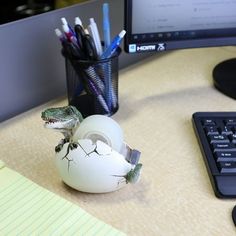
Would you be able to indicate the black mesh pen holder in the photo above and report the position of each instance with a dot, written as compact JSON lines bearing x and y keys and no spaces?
{"x":92,"y":86}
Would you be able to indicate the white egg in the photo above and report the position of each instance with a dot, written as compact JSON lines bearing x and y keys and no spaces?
{"x":92,"y":167}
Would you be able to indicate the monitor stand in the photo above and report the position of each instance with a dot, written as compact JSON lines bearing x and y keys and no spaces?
{"x":224,"y":77}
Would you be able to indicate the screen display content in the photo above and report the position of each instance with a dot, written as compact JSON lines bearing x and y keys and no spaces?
{"x":159,"y":25}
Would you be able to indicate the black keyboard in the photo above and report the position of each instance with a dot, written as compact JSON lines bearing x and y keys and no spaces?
{"x":216,"y":133}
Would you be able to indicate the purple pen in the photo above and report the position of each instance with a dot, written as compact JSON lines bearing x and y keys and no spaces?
{"x":98,"y":95}
{"x":70,"y":36}
{"x":60,"y":35}
{"x":64,"y":22}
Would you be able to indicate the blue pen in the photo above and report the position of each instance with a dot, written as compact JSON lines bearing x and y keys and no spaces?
{"x":109,"y":91}
{"x":106,"y":25}
{"x":114,"y":45}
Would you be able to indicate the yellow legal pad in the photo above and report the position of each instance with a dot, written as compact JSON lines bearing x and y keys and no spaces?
{"x":28,"y":209}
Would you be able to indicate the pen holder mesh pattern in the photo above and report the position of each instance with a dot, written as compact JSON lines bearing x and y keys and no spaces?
{"x":92,"y":86}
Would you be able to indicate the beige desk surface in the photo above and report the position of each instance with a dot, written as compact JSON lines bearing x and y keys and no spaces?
{"x":157,"y":99}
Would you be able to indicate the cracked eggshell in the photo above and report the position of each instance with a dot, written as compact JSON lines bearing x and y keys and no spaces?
{"x":100,"y":127}
{"x":92,"y":167}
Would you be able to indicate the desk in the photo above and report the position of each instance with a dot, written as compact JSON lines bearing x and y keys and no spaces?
{"x":157,"y":99}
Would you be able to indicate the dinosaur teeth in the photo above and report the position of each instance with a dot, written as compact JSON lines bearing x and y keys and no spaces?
{"x":48,"y":121}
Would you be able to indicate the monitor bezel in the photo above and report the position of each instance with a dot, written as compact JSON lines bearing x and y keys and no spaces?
{"x":217,"y":38}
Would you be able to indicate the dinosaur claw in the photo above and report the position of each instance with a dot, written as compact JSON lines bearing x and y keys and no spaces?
{"x":58,"y":148}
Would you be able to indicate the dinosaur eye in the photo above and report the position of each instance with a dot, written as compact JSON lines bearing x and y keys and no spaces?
{"x":70,"y":110}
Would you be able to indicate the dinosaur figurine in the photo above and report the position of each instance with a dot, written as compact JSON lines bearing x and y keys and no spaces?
{"x":63,"y":119}
{"x":93,"y":154}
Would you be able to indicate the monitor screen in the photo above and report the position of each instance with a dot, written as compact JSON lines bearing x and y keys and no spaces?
{"x":158,"y":25}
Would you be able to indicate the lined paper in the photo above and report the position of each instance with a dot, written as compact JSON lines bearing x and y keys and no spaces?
{"x":28,"y":209}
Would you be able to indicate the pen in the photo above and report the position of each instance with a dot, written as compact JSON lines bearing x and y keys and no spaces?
{"x":106,"y":25}
{"x":79,"y":35}
{"x":88,"y":52}
{"x":60,"y":35}
{"x":114,"y":45}
{"x":98,"y":95}
{"x":93,"y":30}
{"x":78,"y":21}
{"x":70,"y":36}
{"x":70,"y":49}
{"x":64,"y":22}
{"x":79,"y":29}
{"x":86,"y":43}
{"x":110,"y":97}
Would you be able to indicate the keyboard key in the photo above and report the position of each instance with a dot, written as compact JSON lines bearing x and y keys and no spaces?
{"x":230,"y":122}
{"x":227,"y":130}
{"x":227,"y":167}
{"x":211,"y":130}
{"x":232,"y":137}
{"x":208,"y":122}
{"x":223,"y":147}
{"x":221,"y":138}
{"x":225,"y":156}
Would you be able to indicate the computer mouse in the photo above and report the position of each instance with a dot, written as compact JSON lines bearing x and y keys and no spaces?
{"x":234,"y":215}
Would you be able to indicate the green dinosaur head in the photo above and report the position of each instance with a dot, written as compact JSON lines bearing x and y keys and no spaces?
{"x":62,"y":117}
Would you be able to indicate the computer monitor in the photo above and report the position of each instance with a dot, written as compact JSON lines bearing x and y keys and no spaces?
{"x":159,"y":25}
